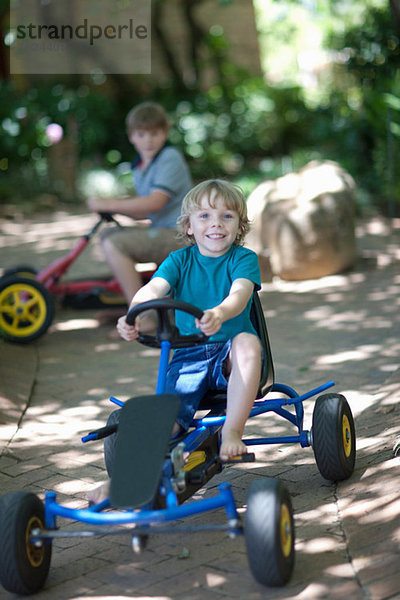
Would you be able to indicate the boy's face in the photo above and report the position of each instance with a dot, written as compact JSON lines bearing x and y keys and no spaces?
{"x":148,"y":142}
{"x":214,"y":229}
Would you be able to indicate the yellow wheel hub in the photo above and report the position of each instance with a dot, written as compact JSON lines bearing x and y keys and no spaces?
{"x":22,"y":309}
{"x":34,"y":553}
{"x":286,"y":531}
{"x":346,"y":436}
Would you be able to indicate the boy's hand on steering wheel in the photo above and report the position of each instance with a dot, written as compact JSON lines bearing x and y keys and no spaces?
{"x":210,"y":322}
{"x":127,"y":332}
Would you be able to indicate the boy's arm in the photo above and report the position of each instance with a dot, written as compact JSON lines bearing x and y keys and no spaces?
{"x":236,"y":301}
{"x":155,"y":288}
{"x":137,"y":207}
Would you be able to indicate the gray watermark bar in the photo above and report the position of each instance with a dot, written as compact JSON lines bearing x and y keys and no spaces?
{"x":80,"y":36}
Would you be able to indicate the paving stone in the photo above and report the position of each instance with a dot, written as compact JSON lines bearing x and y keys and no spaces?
{"x":386,"y":588}
{"x":345,"y":327}
{"x":376,"y":567}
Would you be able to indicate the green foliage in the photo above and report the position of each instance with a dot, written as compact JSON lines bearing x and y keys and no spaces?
{"x":367,"y":101}
{"x":373,"y":49}
{"x":222,"y":132}
{"x":241,"y":126}
{"x":82,"y":112}
{"x":87,"y":118}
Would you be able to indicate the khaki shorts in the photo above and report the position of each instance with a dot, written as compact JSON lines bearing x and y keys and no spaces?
{"x":143,"y":244}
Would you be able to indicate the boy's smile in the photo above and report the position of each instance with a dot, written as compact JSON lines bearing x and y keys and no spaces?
{"x":214,"y":228}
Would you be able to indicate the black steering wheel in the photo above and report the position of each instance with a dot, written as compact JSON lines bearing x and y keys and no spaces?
{"x":166,"y":330}
{"x":109,"y":218}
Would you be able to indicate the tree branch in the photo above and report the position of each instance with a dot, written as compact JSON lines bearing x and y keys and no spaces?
{"x":196,"y":36}
{"x":395,"y":5}
{"x":167,"y":52}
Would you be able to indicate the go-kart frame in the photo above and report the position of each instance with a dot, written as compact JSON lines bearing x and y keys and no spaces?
{"x":151,"y":499}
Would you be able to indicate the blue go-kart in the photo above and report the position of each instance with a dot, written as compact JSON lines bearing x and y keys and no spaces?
{"x":153,"y":475}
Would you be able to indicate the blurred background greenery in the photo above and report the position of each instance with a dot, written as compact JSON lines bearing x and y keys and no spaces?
{"x":327,"y":88}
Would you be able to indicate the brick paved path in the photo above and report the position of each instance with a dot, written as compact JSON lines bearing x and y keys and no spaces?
{"x":344,"y":328}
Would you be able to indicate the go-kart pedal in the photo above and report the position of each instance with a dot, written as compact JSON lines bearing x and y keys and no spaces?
{"x":246,"y":457}
{"x":143,"y":437}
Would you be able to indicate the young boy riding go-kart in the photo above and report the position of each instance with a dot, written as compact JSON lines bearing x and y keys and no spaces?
{"x":159,"y":453}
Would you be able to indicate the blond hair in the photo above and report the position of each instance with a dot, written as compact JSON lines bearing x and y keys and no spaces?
{"x":230,"y":194}
{"x":147,"y":115}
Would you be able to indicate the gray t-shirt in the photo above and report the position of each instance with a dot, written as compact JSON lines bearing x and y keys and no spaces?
{"x":168,"y":172}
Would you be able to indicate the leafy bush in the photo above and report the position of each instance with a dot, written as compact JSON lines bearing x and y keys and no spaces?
{"x":367,"y":103}
{"x":220,"y":131}
{"x":240,"y":127}
{"x":225,"y":133}
{"x":87,"y":118}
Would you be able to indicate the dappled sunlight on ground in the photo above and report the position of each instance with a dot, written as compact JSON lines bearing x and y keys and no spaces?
{"x":37,"y":244}
{"x":317,"y":545}
{"x":344,"y":327}
{"x":74,"y":324}
{"x":314,"y":285}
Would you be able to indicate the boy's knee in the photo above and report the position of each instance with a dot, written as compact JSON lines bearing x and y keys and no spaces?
{"x":106,"y":241}
{"x":106,"y":234}
{"x":112,"y":246}
{"x":248,"y":344}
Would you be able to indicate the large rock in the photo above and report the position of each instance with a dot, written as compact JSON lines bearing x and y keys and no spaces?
{"x":304,"y":222}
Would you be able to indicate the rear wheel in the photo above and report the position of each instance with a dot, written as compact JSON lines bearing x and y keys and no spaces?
{"x":24,"y":566}
{"x":333,"y":437}
{"x":21,"y":271}
{"x":26,"y":309}
{"x":269,"y":532}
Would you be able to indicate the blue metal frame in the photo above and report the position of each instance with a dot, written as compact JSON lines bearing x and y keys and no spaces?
{"x":204,"y":428}
{"x":91,"y":516}
{"x":264,"y":406}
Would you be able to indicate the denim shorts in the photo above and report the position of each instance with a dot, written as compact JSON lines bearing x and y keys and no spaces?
{"x":192,"y":372}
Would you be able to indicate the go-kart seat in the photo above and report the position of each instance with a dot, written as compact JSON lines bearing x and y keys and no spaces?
{"x":267,"y":369}
{"x":215,"y":400}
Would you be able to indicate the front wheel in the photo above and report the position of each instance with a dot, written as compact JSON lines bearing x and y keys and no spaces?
{"x":269,"y":532}
{"x":26,"y":309}
{"x":110,"y":441}
{"x":333,"y":437}
{"x":24,"y":566}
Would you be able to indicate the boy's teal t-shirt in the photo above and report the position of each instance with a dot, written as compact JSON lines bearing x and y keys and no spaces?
{"x":205,"y":282}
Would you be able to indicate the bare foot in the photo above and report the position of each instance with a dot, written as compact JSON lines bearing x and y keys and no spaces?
{"x":231,"y":445}
{"x":100,"y":493}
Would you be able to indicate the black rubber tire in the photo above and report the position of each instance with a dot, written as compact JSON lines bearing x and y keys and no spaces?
{"x":26,"y":309}
{"x":333,"y":437}
{"x":4,"y":502}
{"x":110,"y":441}
{"x":20,"y":270}
{"x":269,"y":532}
{"x":23,"y":567}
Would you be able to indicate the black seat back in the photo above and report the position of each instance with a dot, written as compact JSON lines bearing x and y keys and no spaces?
{"x":267,"y":370}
